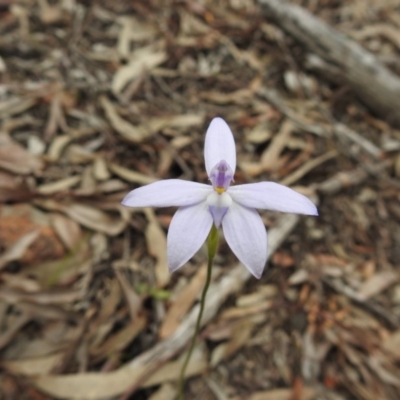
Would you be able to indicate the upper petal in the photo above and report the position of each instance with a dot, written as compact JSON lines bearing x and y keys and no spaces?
{"x":167,"y":193}
{"x":187,"y":232}
{"x":272,"y":196}
{"x":219,"y":145}
{"x":246,"y":235}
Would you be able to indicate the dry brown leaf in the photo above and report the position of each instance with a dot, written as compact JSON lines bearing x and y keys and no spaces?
{"x":251,"y":168}
{"x":298,"y":277}
{"x":241,"y":333}
{"x":119,"y":340}
{"x":50,"y":297}
{"x":89,"y":216}
{"x":17,"y":250}
{"x":376,"y":363}
{"x":377,"y":283}
{"x":93,"y":386}
{"x":132,"y":30}
{"x":33,"y":366}
{"x":50,"y":14}
{"x":238,"y":97}
{"x":180,"y":142}
{"x":170,"y":371}
{"x":281,"y":394}
{"x":112,"y":186}
{"x":127,"y":130}
{"x":262,"y":292}
{"x":100,"y":169}
{"x":46,"y":311}
{"x":183,"y":303}
{"x":95,"y":219}
{"x":77,"y":155}
{"x":259,"y":134}
{"x":110,"y":299}
{"x":62,"y":270}
{"x":8,"y":333}
{"x":18,"y":220}
{"x":270,"y":157}
{"x":15,"y":105}
{"x":102,"y":325}
{"x":132,"y":298}
{"x":137,"y":134}
{"x":16,"y":159}
{"x":157,"y":247}
{"x":59,"y":143}
{"x":191,"y":25}
{"x":67,"y":229}
{"x":142,"y":61}
{"x":130,"y":176}
{"x":392,"y":344}
{"x":236,"y":312}
{"x":58,"y":186}
{"x":385,"y":30}
{"x":20,"y":282}
{"x":165,"y":392}
{"x":13,"y":188}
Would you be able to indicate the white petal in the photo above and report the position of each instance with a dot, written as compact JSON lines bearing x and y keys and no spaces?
{"x":219,"y":145}
{"x":187,"y":232}
{"x":272,"y":196}
{"x":167,"y":193}
{"x":246,"y":235}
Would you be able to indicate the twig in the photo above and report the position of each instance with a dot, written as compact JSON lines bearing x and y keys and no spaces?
{"x":351,"y":178}
{"x":374,"y":84}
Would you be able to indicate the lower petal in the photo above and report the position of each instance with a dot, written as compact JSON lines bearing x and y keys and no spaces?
{"x":187,"y":232}
{"x":246,"y":235}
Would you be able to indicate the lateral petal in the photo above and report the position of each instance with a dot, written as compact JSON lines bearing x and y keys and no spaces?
{"x":219,"y":145}
{"x":167,"y":193}
{"x":246,"y":235}
{"x":187,"y":232}
{"x":272,"y":196}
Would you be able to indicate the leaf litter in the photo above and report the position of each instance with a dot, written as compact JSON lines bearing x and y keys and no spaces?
{"x":98,"y":98}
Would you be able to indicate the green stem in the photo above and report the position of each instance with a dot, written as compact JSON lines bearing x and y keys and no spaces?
{"x":212,"y":244}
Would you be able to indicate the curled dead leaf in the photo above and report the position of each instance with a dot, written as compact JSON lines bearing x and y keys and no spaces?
{"x":17,"y":250}
{"x":142,"y":61}
{"x":14,"y":158}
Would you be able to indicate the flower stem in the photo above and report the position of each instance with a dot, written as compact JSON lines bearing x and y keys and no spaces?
{"x":212,"y":245}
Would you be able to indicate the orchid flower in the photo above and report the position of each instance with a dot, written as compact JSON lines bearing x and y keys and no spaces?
{"x":232,"y":207}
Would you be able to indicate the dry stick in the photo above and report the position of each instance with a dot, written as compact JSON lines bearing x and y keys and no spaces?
{"x":343,"y":180}
{"x":372,"y":82}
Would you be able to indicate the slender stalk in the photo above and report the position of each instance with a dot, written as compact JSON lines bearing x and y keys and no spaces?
{"x":212,"y":244}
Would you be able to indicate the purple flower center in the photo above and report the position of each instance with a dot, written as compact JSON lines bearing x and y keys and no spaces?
{"x":221,"y":176}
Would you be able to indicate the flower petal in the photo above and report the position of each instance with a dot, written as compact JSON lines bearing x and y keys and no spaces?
{"x":167,"y":193}
{"x":187,"y":232}
{"x":219,"y":145}
{"x":246,"y":235}
{"x":272,"y":196}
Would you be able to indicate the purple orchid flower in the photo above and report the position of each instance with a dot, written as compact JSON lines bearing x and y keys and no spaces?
{"x":233,"y":207}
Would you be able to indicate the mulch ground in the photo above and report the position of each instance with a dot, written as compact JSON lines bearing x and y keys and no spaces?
{"x":100,"y":97}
